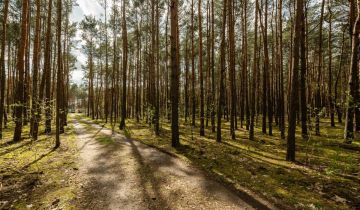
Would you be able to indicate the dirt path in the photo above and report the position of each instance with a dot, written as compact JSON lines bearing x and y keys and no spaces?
{"x":126,"y":174}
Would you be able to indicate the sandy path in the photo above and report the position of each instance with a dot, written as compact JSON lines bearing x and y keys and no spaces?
{"x":129,"y":175}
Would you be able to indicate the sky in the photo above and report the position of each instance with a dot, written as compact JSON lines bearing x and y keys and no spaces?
{"x":85,"y":7}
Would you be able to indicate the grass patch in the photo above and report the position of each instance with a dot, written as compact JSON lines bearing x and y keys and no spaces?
{"x":104,"y":139}
{"x":325,"y":177}
{"x":33,"y":175}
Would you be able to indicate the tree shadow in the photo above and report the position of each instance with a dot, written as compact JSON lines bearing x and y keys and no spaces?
{"x":155,"y":173}
{"x":15,"y":148}
{"x":38,"y":159}
{"x":99,"y":184}
{"x":147,"y":176}
{"x":111,"y":178}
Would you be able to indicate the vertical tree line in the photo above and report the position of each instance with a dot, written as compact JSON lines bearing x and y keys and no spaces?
{"x":34,"y":82}
{"x":272,"y":66}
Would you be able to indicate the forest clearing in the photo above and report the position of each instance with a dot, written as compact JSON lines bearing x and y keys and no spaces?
{"x":168,"y":104}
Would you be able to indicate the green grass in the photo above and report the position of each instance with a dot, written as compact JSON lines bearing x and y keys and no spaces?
{"x":34,"y":175}
{"x":326,"y":176}
{"x":104,"y":139}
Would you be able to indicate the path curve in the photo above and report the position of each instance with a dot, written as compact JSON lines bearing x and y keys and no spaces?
{"x":126,"y":174}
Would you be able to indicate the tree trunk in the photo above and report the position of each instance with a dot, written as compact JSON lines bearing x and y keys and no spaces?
{"x":331,"y":102}
{"x":303,"y":69}
{"x":222,"y":74}
{"x":186,"y":83}
{"x":19,"y":94}
{"x":338,"y":77}
{"x":193,"y":66}
{"x":124,"y":63}
{"x":232,"y":68}
{"x":320,"y":59}
{"x":2,"y":65}
{"x":35,"y":117}
{"x":353,"y":97}
{"x":290,"y":155}
{"x":212,"y":67}
{"x":174,"y":73}
{"x":202,"y":129}
{"x":254,"y":74}
{"x":59,"y":79}
{"x":47,"y":73}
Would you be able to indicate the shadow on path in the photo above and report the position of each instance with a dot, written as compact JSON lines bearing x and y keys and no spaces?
{"x":127,"y":174}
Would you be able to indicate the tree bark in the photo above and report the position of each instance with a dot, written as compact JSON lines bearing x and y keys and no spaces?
{"x":193,"y":66}
{"x":19,"y":95}
{"x":174,"y":73}
{"x":290,"y":155}
{"x":47,"y":73}
{"x":59,"y":79}
{"x":2,"y":65}
{"x":35,"y":116}
{"x":222,"y":74}
{"x":353,"y":97}
{"x":254,"y":74}
{"x":330,"y":97}
{"x":303,"y":69}
{"x":320,"y":63}
{"x":202,"y":127}
{"x":232,"y":68}
{"x":124,"y":63}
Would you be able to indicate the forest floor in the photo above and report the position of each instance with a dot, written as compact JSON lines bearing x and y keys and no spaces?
{"x":120,"y":173}
{"x":100,"y":167}
{"x":35,"y":176}
{"x":325,"y":176}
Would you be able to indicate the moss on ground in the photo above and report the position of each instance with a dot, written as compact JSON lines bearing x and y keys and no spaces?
{"x":326,"y":176}
{"x":33,"y":175}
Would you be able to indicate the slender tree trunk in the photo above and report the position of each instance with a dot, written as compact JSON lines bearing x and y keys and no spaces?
{"x":338,"y":77}
{"x":35,"y":117}
{"x":245,"y":66}
{"x":174,"y":73}
{"x":222,"y":73}
{"x":202,"y":127}
{"x":303,"y":69}
{"x":124,"y":63}
{"x":193,"y":66}
{"x":47,"y":73}
{"x":269,"y":74}
{"x":138,"y":72}
{"x":331,"y":102}
{"x":265,"y":95}
{"x":212,"y":67}
{"x":186,"y":83}
{"x":19,"y":94}
{"x":290,"y":155}
{"x":353,"y":97}
{"x":254,"y":73}
{"x":106,"y":94}
{"x":281,"y":102}
{"x":2,"y":65}
{"x":318,"y":88}
{"x":232,"y":67}
{"x":157,"y":73}
{"x":208,"y":61}
{"x":59,"y":80}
